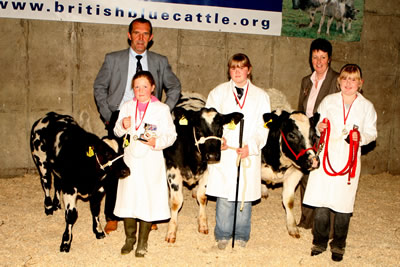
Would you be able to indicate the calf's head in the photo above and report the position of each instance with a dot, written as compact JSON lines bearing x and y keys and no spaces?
{"x":206,"y":128}
{"x":297,"y":137}
{"x":110,"y":160}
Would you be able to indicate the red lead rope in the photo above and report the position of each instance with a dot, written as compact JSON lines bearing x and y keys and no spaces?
{"x":351,"y":165}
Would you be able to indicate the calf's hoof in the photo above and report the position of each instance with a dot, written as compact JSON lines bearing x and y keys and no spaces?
{"x":48,"y":211}
{"x":203,"y":230}
{"x":65,"y":247}
{"x":170,"y":239}
{"x":100,"y":235}
{"x":295,"y":235}
{"x":293,"y":231}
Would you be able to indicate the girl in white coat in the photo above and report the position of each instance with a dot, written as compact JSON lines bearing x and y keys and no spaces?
{"x":253,"y":102}
{"x":143,"y":196}
{"x":328,"y":188}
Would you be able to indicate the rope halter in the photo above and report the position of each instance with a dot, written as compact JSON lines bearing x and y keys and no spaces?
{"x":301,"y":153}
{"x":109,"y":163}
{"x":203,"y":139}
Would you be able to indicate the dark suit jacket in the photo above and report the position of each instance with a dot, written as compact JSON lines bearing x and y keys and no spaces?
{"x":327,"y":87}
{"x":109,"y":86}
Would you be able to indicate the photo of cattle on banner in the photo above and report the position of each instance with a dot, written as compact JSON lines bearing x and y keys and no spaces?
{"x":337,"y":19}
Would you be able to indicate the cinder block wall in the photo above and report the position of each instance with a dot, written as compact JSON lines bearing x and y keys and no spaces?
{"x":50,"y":66}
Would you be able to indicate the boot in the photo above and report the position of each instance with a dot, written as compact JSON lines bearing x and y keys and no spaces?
{"x":130,"y":233}
{"x":144,"y":230}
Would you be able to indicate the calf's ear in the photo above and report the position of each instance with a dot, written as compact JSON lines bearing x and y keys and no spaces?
{"x":270,"y":120}
{"x":314,"y":119}
{"x":182,"y":116}
{"x":234,"y":116}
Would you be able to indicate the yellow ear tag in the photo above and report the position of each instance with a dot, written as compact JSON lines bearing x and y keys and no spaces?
{"x":266,"y":124}
{"x":232,"y":125}
{"x":90,"y":152}
{"x":126,"y":142}
{"x":183,"y":121}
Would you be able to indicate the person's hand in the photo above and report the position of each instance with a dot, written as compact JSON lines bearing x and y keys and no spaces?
{"x":355,"y":137}
{"x":151,"y":142}
{"x":126,"y":122}
{"x":224,"y":146}
{"x":322,"y":126}
{"x":243,"y":152}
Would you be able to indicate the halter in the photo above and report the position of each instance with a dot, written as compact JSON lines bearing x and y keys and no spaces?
{"x":351,"y":164}
{"x":246,"y":164}
{"x":301,"y":153}
{"x":203,"y":139}
{"x":109,"y":163}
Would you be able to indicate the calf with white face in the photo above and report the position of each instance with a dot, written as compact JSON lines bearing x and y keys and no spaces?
{"x":288,"y":154}
{"x":198,"y":144}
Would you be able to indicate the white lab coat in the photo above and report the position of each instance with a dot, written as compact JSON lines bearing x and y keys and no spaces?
{"x":333,"y":191}
{"x":144,"y":194}
{"x":223,"y":175}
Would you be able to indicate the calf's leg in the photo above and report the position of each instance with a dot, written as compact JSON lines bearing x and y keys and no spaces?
{"x":95,"y":202}
{"x":176,"y":200}
{"x":293,"y":177}
{"x":71,"y":215}
{"x":45,"y":171}
{"x":202,"y":200}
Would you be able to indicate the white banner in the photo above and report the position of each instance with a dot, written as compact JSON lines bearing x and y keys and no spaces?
{"x":161,"y":14}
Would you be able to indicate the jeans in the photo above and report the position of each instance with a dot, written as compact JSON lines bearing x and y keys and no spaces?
{"x":322,"y":226}
{"x":225,"y":212}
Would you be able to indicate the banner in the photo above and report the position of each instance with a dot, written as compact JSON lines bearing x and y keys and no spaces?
{"x":238,"y":16}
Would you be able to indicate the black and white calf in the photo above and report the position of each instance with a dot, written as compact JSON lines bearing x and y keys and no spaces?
{"x":79,"y":162}
{"x":198,"y":144}
{"x":288,"y":154}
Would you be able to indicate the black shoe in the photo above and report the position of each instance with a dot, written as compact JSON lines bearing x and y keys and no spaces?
{"x":337,"y":256}
{"x":315,"y":252}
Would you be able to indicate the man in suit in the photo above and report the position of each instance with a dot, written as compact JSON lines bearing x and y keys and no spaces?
{"x":113,"y":87}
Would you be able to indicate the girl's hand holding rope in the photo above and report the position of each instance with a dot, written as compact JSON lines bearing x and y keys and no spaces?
{"x":243,"y":152}
{"x":322,"y":126}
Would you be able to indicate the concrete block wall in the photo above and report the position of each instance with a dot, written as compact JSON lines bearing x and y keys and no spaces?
{"x":50,"y":66}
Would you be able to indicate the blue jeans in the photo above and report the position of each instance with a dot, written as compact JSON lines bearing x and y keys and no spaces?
{"x":225,"y":212}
